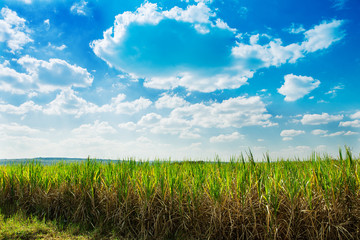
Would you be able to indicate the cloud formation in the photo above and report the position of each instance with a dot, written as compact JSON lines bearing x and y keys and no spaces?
{"x":43,"y":76}
{"x":167,"y":101}
{"x":67,"y":102}
{"x":13,"y":31}
{"x":324,"y":133}
{"x":80,"y":8}
{"x":186,"y":121}
{"x":289,"y":134}
{"x":318,"y":119}
{"x":296,"y":87}
{"x":194,"y":49}
{"x":226,"y":137}
{"x":354,"y":123}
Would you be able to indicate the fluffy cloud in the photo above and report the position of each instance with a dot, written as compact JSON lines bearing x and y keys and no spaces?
{"x":55,"y":73}
{"x":14,"y":82}
{"x":128,"y":126}
{"x":22,"y":109}
{"x":192,"y":48}
{"x":354,"y":123}
{"x":42,"y":76}
{"x":289,"y":134}
{"x":296,"y":87}
{"x":186,"y":121}
{"x":255,"y":55}
{"x":234,"y":112}
{"x":119,"y":106}
{"x":13,"y":31}
{"x":317,"y":119}
{"x":226,"y":137}
{"x":323,"y":35}
{"x":355,"y":115}
{"x":95,"y":129}
{"x":67,"y":102}
{"x":167,"y":101}
{"x":15,"y":129}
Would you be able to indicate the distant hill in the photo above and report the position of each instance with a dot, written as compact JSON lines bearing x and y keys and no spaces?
{"x":47,"y":160}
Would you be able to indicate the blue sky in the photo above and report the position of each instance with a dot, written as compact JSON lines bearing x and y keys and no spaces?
{"x":180,"y":79}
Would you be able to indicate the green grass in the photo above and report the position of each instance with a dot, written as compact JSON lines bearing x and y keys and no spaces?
{"x":315,"y":198}
{"x":20,"y":226}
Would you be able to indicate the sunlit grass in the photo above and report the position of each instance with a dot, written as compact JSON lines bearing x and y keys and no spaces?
{"x":311,"y":198}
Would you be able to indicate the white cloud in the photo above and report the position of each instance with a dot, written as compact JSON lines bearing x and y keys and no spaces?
{"x":354,"y":123}
{"x":93,"y":130}
{"x":319,"y":132}
{"x":273,"y":53}
{"x":355,"y":115}
{"x":317,"y":119}
{"x":68,"y":103}
{"x":128,"y":126}
{"x":80,"y":8}
{"x":13,"y":30}
{"x":198,"y":14}
{"x":62,"y":47}
{"x":323,"y":35}
{"x":226,"y":137}
{"x":22,"y":109}
{"x":289,"y":134}
{"x":296,"y":87}
{"x":204,"y":54}
{"x":287,"y":138}
{"x":14,"y":82}
{"x":335,"y":134}
{"x":334,"y":90}
{"x":47,"y":24}
{"x":187,"y":134}
{"x":186,"y":64}
{"x":295,"y":28}
{"x":324,"y":133}
{"x":349,"y":133}
{"x":15,"y":129}
{"x":167,"y":101}
{"x":159,"y":125}
{"x":233,"y":112}
{"x":42,"y":76}
{"x":59,"y":48}
{"x":55,"y":73}
{"x":186,"y":121}
{"x":119,"y":106}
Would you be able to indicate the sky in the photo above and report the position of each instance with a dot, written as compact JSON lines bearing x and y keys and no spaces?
{"x":178,"y":79}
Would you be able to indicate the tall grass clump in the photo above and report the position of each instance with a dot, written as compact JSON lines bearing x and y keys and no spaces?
{"x":314,"y":198}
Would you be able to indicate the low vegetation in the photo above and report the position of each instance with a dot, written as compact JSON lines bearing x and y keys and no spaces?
{"x":20,"y":226}
{"x":314,"y":198}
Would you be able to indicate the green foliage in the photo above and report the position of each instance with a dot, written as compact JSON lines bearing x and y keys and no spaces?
{"x":208,"y":199}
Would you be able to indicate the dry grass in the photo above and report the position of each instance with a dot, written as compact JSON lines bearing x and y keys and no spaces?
{"x":317,"y":198}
